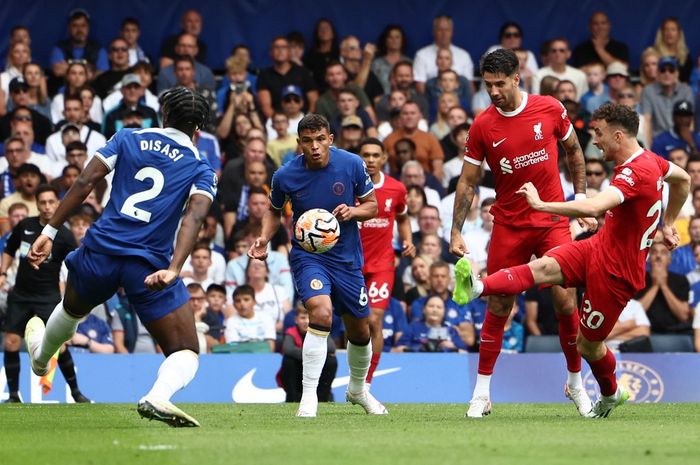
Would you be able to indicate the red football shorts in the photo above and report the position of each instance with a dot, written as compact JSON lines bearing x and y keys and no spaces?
{"x":380,"y":285}
{"x":606,"y":295}
{"x":515,"y":246}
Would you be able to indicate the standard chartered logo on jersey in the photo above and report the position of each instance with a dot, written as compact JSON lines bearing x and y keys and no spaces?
{"x":523,"y":161}
{"x":643,"y":383}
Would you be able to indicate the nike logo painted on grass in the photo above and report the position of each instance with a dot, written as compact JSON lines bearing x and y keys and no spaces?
{"x":246,"y":392}
{"x":496,"y":144}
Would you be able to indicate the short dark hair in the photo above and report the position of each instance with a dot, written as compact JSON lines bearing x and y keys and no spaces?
{"x":244,"y":289}
{"x":216,"y":288}
{"x":501,"y":61}
{"x":130,"y":20}
{"x":180,"y":58}
{"x":691,"y":159}
{"x":256,"y":190}
{"x":372,"y":141}
{"x":399,"y":64}
{"x":507,"y":25}
{"x":313,"y":122}
{"x":142,"y":66}
{"x":46,"y":188}
{"x":618,"y":115}
{"x":439,"y":264}
{"x":184,"y":109}
{"x":406,"y":140}
{"x":194,"y":287}
{"x":70,"y":167}
{"x":76,"y":145}
{"x":201,"y":245}
{"x":296,"y":37}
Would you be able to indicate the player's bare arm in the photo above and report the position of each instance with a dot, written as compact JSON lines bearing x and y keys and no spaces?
{"x":197,"y":209}
{"x":577,"y":169}
{"x":93,"y":173}
{"x":678,"y":187}
{"x":270,"y":223}
{"x":403,"y":224}
{"x":464,"y":196}
{"x":593,"y":207}
{"x":366,"y":210}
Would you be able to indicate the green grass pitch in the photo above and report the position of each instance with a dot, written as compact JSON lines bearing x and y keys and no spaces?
{"x":425,"y":434}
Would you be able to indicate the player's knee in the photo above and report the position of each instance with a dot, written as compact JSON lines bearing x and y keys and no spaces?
{"x":500,"y":305}
{"x":12,"y":342}
{"x":566,"y":304}
{"x":375,"y":317}
{"x":589,"y":350}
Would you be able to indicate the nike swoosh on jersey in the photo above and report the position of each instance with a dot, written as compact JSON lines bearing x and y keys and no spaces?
{"x":28,"y":233}
{"x":246,"y":392}
{"x":496,"y":144}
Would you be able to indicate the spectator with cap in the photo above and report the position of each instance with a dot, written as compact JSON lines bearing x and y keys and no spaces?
{"x":600,"y":48}
{"x":191,"y":23}
{"x":681,"y":135}
{"x":659,"y":97}
{"x":28,"y":178}
{"x":617,"y":78}
{"x":281,"y":74}
{"x":186,"y":47}
{"x":351,"y":134}
{"x":292,"y":102}
{"x":130,"y":31}
{"x":132,"y":94}
{"x":106,"y":83}
{"x":144,"y":71}
{"x":78,"y":46}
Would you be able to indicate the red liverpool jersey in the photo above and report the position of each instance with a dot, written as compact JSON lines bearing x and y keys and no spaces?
{"x":521,"y":146}
{"x":377,"y":234}
{"x":625,"y":239}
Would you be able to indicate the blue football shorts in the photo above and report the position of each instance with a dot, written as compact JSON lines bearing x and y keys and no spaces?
{"x":345,"y":285}
{"x":96,"y":277}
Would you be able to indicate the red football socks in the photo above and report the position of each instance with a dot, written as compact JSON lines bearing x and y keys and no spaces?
{"x":491,"y":341}
{"x":373,"y":366}
{"x":568,"y":330}
{"x":604,"y":372}
{"x":509,"y":281}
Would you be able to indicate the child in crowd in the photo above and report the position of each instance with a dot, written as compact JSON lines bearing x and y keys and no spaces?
{"x":284,"y":146}
{"x":246,"y":325}
{"x":432,"y":333}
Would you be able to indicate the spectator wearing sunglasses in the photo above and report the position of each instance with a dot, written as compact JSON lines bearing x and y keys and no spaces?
{"x":511,"y":36}
{"x":557,"y":57}
{"x":108,"y":81}
{"x":659,"y":98}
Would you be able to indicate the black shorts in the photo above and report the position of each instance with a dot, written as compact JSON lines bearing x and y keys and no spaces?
{"x":20,"y":310}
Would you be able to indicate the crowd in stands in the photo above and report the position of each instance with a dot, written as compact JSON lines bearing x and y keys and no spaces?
{"x":54,"y":116}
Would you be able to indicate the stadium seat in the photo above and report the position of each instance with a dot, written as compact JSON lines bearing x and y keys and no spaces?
{"x":542,"y":344}
{"x":671,"y":343}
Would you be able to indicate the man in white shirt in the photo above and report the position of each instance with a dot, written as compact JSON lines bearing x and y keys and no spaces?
{"x":424,"y":65}
{"x":558,"y":55}
{"x":74,"y":113}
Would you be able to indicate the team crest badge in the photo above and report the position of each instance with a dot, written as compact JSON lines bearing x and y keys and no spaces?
{"x":538,"y":130}
{"x":338,"y":188}
{"x":643,"y":383}
{"x":387,"y":205}
{"x":316,"y":284}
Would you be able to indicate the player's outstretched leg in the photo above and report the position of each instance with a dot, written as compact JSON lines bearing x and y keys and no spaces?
{"x":376,"y":321}
{"x":359,"y":357}
{"x":176,"y":335}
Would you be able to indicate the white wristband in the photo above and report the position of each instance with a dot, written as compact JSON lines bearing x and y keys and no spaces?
{"x":580,"y":196}
{"x":49,"y":231}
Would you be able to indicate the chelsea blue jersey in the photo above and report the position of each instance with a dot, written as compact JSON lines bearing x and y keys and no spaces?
{"x":155,"y":172}
{"x":343,"y":180}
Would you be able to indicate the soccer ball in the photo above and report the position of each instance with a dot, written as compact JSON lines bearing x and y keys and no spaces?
{"x":317,"y":230}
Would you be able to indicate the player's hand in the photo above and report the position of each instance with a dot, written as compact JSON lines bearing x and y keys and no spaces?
{"x":160,"y":280}
{"x":343,"y":212}
{"x":259,"y":249}
{"x":40,"y":251}
{"x":408,"y":249}
{"x":589,"y":224}
{"x":80,"y":340}
{"x":458,"y":246}
{"x":529,"y":191}
{"x":671,"y":237}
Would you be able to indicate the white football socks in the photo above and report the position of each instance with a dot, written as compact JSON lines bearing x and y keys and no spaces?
{"x":313,"y":356}
{"x":176,"y":372}
{"x":59,"y":328}
{"x":359,"y":358}
{"x":483,"y":386}
{"x":573,"y":380}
